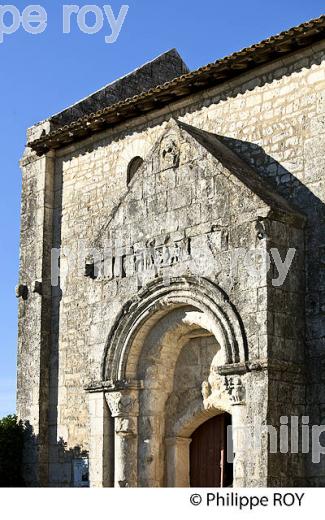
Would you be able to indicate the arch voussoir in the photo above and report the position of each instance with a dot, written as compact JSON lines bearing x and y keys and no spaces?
{"x":123,"y":346}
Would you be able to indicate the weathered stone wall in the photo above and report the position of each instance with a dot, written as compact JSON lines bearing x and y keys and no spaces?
{"x":274,"y":118}
{"x":287,"y":372}
{"x":197,"y":205}
{"x":35,"y":313}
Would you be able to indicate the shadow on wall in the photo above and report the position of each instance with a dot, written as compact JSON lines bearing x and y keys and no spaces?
{"x":302,"y":198}
{"x":68,"y":467}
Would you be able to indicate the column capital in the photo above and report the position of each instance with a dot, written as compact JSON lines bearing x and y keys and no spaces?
{"x":123,"y":403}
{"x":236,"y":390}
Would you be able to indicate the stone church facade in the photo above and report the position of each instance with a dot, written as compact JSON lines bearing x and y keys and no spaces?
{"x":166,"y":199}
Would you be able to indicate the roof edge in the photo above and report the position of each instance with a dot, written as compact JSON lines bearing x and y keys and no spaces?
{"x":180,"y":87}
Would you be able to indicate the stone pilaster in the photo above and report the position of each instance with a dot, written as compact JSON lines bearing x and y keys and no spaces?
{"x":178,"y":461}
{"x":101,"y":450}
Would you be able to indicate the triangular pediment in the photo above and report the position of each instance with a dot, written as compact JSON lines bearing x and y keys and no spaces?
{"x":240,"y":169}
{"x":188,"y":178}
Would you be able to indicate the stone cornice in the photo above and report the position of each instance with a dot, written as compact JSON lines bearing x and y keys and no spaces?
{"x":260,"y":365}
{"x":109,"y":386}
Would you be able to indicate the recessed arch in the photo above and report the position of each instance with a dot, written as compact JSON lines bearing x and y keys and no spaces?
{"x":133,"y":167}
{"x":138,"y":316}
{"x":194,"y":416}
{"x":178,"y":441}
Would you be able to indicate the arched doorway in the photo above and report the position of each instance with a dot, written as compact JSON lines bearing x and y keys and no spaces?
{"x":209,"y":466}
{"x":163,"y":349}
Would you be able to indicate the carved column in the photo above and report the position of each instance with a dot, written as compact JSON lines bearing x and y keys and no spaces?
{"x":124,"y":406}
{"x":237,"y":397}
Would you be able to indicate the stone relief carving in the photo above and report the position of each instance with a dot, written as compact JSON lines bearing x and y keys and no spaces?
{"x":169,"y":153}
{"x":205,"y":390}
{"x":150,"y":258}
{"x":219,"y":390}
{"x":122,"y":404}
{"x":236,"y":390}
{"x":153,"y":257}
{"x":214,"y":391}
{"x":262,"y":231}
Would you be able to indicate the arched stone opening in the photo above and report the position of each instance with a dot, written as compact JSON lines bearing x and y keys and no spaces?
{"x":138,"y":316}
{"x":178,"y":354}
{"x":133,"y":167}
{"x":161,"y":368}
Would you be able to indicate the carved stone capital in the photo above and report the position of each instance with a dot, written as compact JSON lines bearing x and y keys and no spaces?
{"x":123,"y":403}
{"x":236,"y":390}
{"x":220,"y":391}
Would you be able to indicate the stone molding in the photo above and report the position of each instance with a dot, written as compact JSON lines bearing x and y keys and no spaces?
{"x":188,"y":290}
{"x":109,"y":386}
{"x":260,"y":365}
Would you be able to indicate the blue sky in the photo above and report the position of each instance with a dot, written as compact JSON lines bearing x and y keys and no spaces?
{"x":42,"y":74}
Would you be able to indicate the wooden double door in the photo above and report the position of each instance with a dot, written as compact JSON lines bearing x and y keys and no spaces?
{"x":208,"y":454}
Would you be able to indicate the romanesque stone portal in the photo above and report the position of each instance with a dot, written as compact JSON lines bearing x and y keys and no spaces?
{"x":170,"y":202}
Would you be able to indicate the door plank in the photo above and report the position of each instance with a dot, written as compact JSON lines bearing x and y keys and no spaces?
{"x":208,"y":465}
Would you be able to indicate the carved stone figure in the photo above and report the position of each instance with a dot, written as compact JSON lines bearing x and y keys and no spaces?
{"x":236,"y":390}
{"x":169,"y":153}
{"x":205,"y":390}
{"x":214,"y":391}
